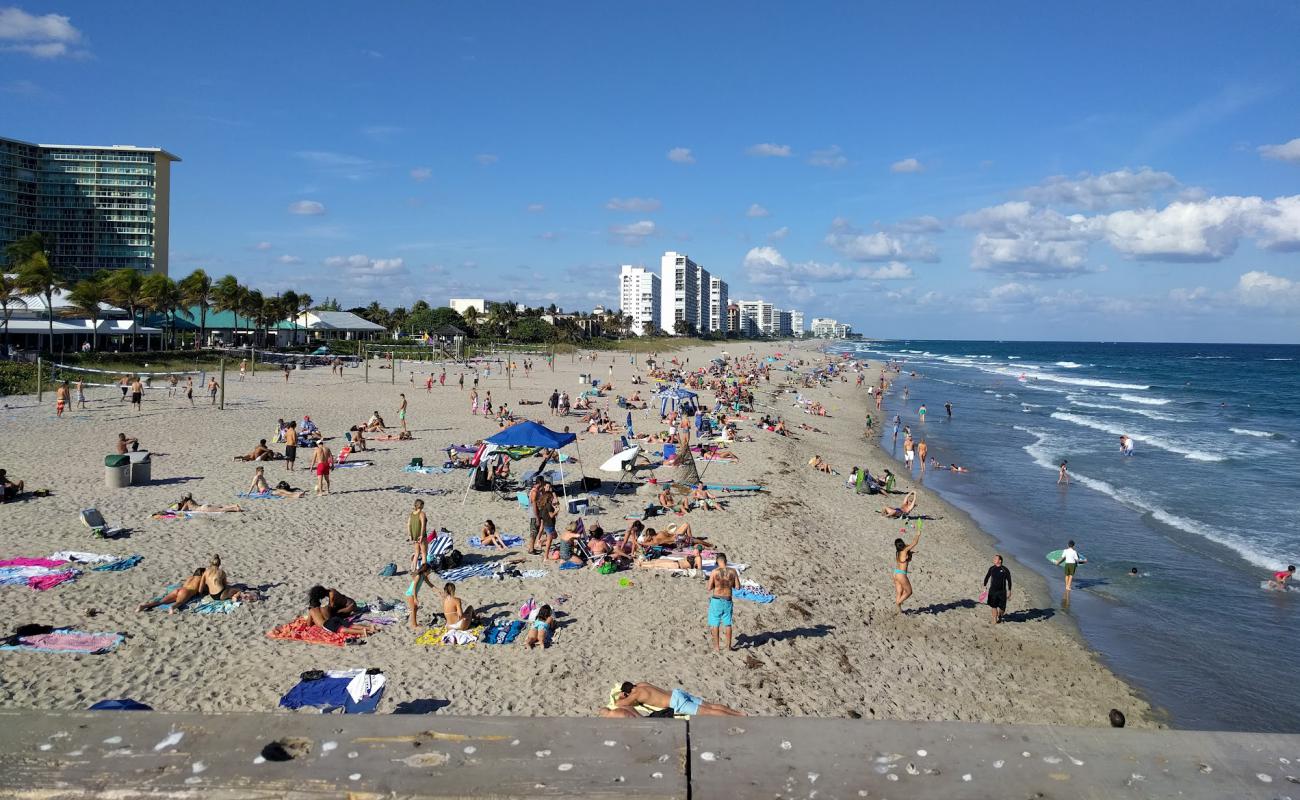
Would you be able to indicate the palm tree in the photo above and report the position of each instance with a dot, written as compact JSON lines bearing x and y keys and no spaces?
{"x":376,"y":313}
{"x":29,"y":256}
{"x":86,"y":299}
{"x":126,"y":290}
{"x":162,"y":295}
{"x":196,"y":290}
{"x":228,"y":295}
{"x":471,"y":317}
{"x":10,"y":296}
{"x":253,"y":304}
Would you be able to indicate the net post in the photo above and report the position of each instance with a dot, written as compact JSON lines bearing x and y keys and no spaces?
{"x":40,"y":384}
{"x":222,"y":401}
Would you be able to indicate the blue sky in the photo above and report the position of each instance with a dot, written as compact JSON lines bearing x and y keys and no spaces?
{"x":949,"y":170}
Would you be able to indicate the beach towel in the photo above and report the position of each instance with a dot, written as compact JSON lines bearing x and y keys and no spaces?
{"x":119,"y":565}
{"x":43,"y":582}
{"x":352,"y":464}
{"x":441,"y":636}
{"x":466,"y":572}
{"x":571,"y":565}
{"x":66,"y":640}
{"x":413,"y":490}
{"x":301,"y":630}
{"x":753,"y":596}
{"x":425,"y":470}
{"x":507,"y":539}
{"x":502,"y":633}
{"x":351,"y":690}
{"x":642,"y":709}
{"x":33,"y":562}
{"x":533,"y":573}
{"x":84,"y":558}
{"x":259,"y":496}
{"x":206,"y":605}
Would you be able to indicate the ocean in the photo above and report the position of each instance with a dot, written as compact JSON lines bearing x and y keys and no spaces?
{"x":1206,"y":508}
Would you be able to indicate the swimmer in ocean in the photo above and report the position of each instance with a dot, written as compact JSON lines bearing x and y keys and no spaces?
{"x":1133,"y":573}
{"x":1278,"y":582}
{"x":1063,"y":477}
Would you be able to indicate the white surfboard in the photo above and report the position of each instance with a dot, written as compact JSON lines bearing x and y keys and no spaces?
{"x":620,"y":460}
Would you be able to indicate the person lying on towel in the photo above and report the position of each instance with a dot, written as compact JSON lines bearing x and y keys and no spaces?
{"x":259,"y":453}
{"x":330,"y":609}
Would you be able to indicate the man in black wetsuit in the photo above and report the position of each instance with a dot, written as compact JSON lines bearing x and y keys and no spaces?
{"x":998,"y":581}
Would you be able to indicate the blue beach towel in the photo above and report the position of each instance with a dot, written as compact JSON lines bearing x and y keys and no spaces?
{"x":119,"y":565}
{"x":424,"y":470}
{"x":459,"y":574}
{"x":497,"y":633}
{"x":258,"y":496}
{"x":753,"y":596}
{"x":331,"y":692}
{"x":571,"y":565}
{"x":507,"y":539}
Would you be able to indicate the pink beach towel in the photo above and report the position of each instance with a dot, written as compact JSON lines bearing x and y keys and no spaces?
{"x":31,"y":562}
{"x":42,"y":582}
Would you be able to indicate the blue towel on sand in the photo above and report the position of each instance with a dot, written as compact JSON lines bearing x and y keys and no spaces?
{"x":498,"y":633}
{"x":258,"y":496}
{"x":571,"y":565}
{"x":119,"y":565}
{"x":425,"y":470}
{"x":510,"y":541}
{"x":753,"y":596}
{"x":459,"y":574}
{"x":329,"y":693}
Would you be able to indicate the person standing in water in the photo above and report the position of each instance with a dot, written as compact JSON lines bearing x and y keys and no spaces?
{"x":1063,"y":477}
{"x":1070,"y":557}
{"x":948,"y":407}
{"x":1278,"y":583}
{"x":921,"y":413}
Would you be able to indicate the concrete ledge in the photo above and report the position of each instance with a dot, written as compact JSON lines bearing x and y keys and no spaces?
{"x":127,"y":755}
{"x":825,"y":758}
{"x":134,"y":754}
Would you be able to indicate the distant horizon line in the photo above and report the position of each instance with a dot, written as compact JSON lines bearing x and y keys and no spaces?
{"x":866,"y":338}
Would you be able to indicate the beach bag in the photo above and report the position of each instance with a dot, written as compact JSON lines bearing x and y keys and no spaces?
{"x":388,"y":571}
{"x":608,"y":568}
{"x":417,"y":462}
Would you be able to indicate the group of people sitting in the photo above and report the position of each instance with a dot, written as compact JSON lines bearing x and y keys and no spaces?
{"x":863,"y":482}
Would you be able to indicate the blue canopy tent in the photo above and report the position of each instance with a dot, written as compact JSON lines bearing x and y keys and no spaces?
{"x":672,"y":397}
{"x":532,"y":434}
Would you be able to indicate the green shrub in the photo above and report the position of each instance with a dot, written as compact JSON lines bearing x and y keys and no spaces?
{"x":17,"y":377}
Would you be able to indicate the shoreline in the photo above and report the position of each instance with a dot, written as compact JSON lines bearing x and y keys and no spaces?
{"x":830,"y":646}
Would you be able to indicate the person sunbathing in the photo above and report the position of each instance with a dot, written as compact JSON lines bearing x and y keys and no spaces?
{"x":281,"y":489}
{"x":388,"y":437}
{"x":259,"y":453}
{"x":539,"y":631}
{"x":217,"y":587}
{"x":329,"y":609}
{"x":489,"y":536}
{"x":596,"y":542}
{"x":9,"y":490}
{"x":187,"y":591}
{"x":676,"y":534}
{"x":636,"y":397}
{"x":459,"y":616}
{"x":688,"y":561}
{"x":188,"y":503}
{"x":903,"y":510}
{"x":703,"y":498}
{"x":375,"y":423}
{"x":631,"y":695}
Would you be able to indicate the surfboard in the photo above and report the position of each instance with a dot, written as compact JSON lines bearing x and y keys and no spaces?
{"x":1055,"y":554}
{"x":616,"y":463}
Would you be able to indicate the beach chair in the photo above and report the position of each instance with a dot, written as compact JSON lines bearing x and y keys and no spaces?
{"x":95,"y":521}
{"x":522,"y":499}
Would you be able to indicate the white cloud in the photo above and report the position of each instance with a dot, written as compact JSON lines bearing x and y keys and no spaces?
{"x":1206,"y":230}
{"x":635,"y":232}
{"x":1116,"y":189}
{"x":858,"y":245}
{"x":1289,"y":151}
{"x":536,"y":208}
{"x":922,"y":224}
{"x":288,"y":259}
{"x":1020,"y":238}
{"x":779,"y":234}
{"x":681,"y":155}
{"x":906,"y":165}
{"x":307,"y":208}
{"x":46,"y":36}
{"x":769,"y":150}
{"x":893,"y":271}
{"x":755,"y":210}
{"x":766,"y":265}
{"x":487,"y":158}
{"x":263,"y":246}
{"x":1257,"y":289}
{"x":641,"y":205}
{"x":421,"y":174}
{"x":361,"y":266}
{"x":831,"y":157}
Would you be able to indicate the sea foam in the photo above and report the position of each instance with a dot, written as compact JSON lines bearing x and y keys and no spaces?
{"x":1154,"y":441}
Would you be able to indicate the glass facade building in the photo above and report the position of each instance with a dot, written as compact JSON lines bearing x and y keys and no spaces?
{"x":100,"y":207}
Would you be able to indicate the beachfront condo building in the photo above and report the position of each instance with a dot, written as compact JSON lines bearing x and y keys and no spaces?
{"x":100,"y":207}
{"x":827,"y":328}
{"x":784,"y":326}
{"x":462,"y":304}
{"x":719,"y":301}
{"x":757,"y":318}
{"x":796,"y":323}
{"x":640,"y":297}
{"x":702,"y":295}
{"x":681,"y":292}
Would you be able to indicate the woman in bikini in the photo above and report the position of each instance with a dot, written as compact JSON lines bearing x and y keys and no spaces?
{"x":489,"y":536}
{"x":192,"y":588}
{"x":218,"y":587}
{"x":330,"y":609}
{"x":904,"y":510}
{"x":281,"y":489}
{"x":902,"y":560}
{"x":188,"y":503}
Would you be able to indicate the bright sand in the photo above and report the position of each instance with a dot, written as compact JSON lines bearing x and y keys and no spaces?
{"x":831,"y":645}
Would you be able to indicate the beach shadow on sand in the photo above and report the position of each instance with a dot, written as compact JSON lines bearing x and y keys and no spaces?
{"x":420,"y":706}
{"x":758,"y":640}
{"x":939,"y":608}
{"x":1029,"y":615}
{"x":179,"y":479}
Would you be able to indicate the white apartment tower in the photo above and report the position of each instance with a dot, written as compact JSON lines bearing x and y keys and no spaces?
{"x":796,"y":323}
{"x":705,"y":313}
{"x":639,"y":296}
{"x":758,"y":316}
{"x":718,"y":302}
{"x":681,"y":291}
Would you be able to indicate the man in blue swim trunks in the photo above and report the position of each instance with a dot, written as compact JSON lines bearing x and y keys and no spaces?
{"x":644,"y":694}
{"x":721,"y":582}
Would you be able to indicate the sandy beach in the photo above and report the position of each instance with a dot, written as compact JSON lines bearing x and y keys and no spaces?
{"x":831,"y":644}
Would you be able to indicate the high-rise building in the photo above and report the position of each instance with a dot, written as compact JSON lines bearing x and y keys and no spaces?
{"x":100,"y":207}
{"x":784,"y":326}
{"x":796,"y":323}
{"x":640,"y":296}
{"x":681,"y":292}
{"x":757,"y":317}
{"x":719,"y":301}
{"x":705,"y":314}
{"x":733,"y":319}
{"x":827,"y":328}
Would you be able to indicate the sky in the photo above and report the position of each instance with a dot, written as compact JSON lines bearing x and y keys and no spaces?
{"x":951,"y":170}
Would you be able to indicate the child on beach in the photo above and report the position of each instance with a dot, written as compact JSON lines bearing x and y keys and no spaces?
{"x":539,"y":632}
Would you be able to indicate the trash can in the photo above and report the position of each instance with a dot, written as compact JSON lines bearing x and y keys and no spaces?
{"x":117,"y":471}
{"x":583,"y":378}
{"x":141,"y":467}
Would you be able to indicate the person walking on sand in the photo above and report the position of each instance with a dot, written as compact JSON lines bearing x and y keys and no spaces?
{"x":81,"y":394}
{"x":908,"y":454}
{"x":401,"y":412}
{"x":722,"y":581}
{"x":189,"y":389}
{"x":243,"y":367}
{"x":1063,"y":477}
{"x":60,"y":399}
{"x":998,"y":583}
{"x":320,"y":462}
{"x":902,"y":562}
{"x":1070,"y":557}
{"x":213,"y":386}
{"x":417,"y":526}
{"x":137,"y":393}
